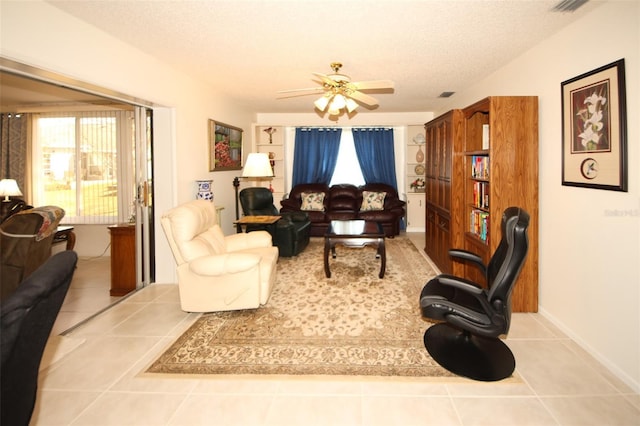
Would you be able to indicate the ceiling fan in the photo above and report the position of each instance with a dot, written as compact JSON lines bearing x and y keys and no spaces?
{"x":339,"y":91}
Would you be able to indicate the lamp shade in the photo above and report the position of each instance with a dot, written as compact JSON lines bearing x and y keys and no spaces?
{"x":351,"y":105}
{"x":8,"y":188}
{"x":321,"y":103}
{"x":257,"y":165}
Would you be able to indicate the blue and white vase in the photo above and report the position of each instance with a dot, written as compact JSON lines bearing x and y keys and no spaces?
{"x":204,"y":190}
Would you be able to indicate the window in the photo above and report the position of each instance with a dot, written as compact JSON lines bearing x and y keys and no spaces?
{"x":75,"y":162}
{"x":347,"y":166}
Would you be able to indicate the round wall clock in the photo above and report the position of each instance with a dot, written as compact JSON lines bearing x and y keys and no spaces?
{"x":589,"y":168}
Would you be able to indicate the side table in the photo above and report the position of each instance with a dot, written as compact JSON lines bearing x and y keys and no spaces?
{"x":123,"y":258}
{"x":65,"y":234}
{"x":266,"y":221}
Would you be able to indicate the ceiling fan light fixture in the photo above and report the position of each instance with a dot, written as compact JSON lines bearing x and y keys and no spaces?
{"x":351,"y":105}
{"x":340,"y":93}
{"x":333,"y":111}
{"x":322,"y":102}
{"x":338,"y":102}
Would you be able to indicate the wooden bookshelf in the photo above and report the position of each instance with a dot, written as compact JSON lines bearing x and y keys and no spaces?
{"x":510,"y":179}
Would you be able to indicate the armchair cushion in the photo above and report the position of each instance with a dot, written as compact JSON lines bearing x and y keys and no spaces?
{"x":222,"y":264}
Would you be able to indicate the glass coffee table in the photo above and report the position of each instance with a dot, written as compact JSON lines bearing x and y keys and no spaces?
{"x":354,"y":233}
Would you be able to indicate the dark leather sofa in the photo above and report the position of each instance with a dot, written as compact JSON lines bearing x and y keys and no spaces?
{"x":290,"y":234}
{"x":344,"y":202}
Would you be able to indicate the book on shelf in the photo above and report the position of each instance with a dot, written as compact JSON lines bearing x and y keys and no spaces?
{"x":481,"y":195}
{"x":480,"y":167}
{"x":485,"y":136}
{"x":479,"y":224}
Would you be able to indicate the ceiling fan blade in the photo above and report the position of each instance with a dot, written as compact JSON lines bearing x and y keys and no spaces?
{"x":374,"y":84}
{"x":299,"y":92}
{"x":325,"y":79}
{"x":362,"y":98}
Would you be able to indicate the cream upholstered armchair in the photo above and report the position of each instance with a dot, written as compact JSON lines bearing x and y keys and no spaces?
{"x":218,"y":272}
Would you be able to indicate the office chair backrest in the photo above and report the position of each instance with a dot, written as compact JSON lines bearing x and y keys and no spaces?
{"x":27,"y":317}
{"x":505,"y":265}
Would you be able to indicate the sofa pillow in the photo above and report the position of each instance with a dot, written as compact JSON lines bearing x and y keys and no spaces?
{"x":312,"y":201}
{"x":372,"y":200}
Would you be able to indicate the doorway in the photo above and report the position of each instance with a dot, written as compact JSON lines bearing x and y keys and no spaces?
{"x":28,"y":89}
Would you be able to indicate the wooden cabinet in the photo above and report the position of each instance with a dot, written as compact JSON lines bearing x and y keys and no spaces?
{"x":123,"y":259}
{"x":270,"y":140}
{"x":415,"y":212}
{"x":501,"y":170}
{"x":444,"y":189}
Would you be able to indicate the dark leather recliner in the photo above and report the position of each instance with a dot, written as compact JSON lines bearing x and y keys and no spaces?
{"x":28,"y":316}
{"x":468,"y":342}
{"x":290,"y":234}
{"x":25,"y":243}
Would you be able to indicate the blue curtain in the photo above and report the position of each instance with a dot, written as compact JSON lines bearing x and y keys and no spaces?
{"x":315,"y":155}
{"x":376,"y":155}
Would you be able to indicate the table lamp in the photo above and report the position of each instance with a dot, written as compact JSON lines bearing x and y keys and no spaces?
{"x":9,"y":188}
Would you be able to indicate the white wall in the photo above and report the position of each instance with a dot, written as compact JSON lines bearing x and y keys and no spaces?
{"x":38,"y":34}
{"x":589,"y":259}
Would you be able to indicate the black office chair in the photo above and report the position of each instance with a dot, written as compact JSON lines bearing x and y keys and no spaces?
{"x":290,"y":234}
{"x":27,"y":317}
{"x":468,"y":342}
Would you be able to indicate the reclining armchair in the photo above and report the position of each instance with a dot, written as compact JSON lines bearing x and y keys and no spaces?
{"x":467,"y":340}
{"x":290,"y":234}
{"x":218,"y":272}
{"x":26,"y":239}
{"x":27,"y":318}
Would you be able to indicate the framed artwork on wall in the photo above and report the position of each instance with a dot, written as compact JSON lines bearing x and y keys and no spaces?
{"x":594,"y":129}
{"x":225,"y":147}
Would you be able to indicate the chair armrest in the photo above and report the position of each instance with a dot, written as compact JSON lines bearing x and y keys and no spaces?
{"x":290,"y":204}
{"x":459,"y":255}
{"x":469,"y":287}
{"x":223,"y":264}
{"x":296,"y":216}
{"x":236,"y":242}
{"x":460,"y":283}
{"x":396,"y":204}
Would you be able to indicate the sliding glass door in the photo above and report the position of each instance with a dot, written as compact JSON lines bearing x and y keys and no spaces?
{"x":145,"y":272}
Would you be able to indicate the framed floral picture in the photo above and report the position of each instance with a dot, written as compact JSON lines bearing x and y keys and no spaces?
{"x":594,"y":129}
{"x":225,"y":147}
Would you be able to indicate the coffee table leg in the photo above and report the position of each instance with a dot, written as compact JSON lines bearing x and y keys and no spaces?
{"x":382,"y":251}
{"x":327,"y":247}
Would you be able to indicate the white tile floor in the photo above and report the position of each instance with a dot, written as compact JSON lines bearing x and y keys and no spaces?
{"x":88,"y":293}
{"x":98,"y":383}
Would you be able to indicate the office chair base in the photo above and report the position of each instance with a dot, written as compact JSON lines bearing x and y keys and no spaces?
{"x":475,"y":357}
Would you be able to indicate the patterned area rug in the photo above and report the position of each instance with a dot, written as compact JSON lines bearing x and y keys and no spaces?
{"x":351,"y":324}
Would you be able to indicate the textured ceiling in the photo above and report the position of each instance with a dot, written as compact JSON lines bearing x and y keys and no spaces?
{"x":250,"y":50}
